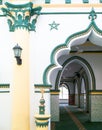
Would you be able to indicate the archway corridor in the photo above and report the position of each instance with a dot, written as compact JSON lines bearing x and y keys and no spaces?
{"x":74,"y":118}
{"x":77,"y":77}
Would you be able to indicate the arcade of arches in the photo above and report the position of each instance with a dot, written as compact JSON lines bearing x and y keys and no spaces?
{"x":77,"y":84}
{"x":80,"y":78}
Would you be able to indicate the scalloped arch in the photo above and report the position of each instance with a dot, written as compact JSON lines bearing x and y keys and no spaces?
{"x":75,"y":39}
{"x":85,"y":65}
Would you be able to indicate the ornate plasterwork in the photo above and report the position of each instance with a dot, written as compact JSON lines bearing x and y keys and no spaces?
{"x":19,"y":16}
{"x":54,"y":25}
{"x":92,"y":32}
{"x":92,"y":15}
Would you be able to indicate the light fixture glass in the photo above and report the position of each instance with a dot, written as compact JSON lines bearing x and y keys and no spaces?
{"x":17,"y":53}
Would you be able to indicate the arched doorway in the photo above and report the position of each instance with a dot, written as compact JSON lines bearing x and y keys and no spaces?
{"x":79,"y":77}
{"x":81,"y":50}
{"x":64,"y":94}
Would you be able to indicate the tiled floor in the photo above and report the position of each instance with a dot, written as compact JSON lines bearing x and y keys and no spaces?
{"x":72,"y":118}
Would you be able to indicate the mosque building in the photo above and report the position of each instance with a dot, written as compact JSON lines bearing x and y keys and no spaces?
{"x":47,"y":45}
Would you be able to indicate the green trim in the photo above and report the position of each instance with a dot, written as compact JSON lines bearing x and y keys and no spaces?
{"x":46,"y":72}
{"x":0,"y":2}
{"x":57,"y":79}
{"x":67,"y":1}
{"x":42,"y":106}
{"x":95,"y":90}
{"x":21,"y":16}
{"x":98,"y":51}
{"x":47,"y":1}
{"x":61,"y":46}
{"x":4,"y":91}
{"x":36,"y":91}
{"x":42,"y":124}
{"x":4,"y":85}
{"x":85,"y":1}
{"x":92,"y":15}
{"x":100,"y":1}
{"x":92,"y":26}
{"x":27,"y":5}
{"x":60,"y":13}
{"x":88,"y":66}
{"x":40,"y":118}
{"x":53,"y":90}
{"x":42,"y":86}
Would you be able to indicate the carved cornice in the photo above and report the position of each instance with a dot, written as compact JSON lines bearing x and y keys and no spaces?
{"x":20,"y":16}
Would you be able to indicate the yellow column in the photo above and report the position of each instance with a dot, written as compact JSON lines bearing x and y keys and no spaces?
{"x":20,"y":22}
{"x":20,"y":87}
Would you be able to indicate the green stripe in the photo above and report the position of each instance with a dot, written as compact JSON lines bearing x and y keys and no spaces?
{"x":47,"y":1}
{"x":4,"y":85}
{"x":85,"y":1}
{"x":40,"y":91}
{"x":100,"y":1}
{"x":4,"y":91}
{"x":60,"y":13}
{"x":0,"y":2}
{"x":68,"y":1}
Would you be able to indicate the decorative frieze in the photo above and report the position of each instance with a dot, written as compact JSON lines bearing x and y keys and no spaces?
{"x":4,"y":88}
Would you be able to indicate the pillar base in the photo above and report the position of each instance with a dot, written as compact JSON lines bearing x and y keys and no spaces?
{"x":42,"y":121}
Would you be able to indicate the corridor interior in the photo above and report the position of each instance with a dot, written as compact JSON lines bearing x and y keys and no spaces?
{"x":74,"y":118}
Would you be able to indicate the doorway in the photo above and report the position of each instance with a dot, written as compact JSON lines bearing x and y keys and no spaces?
{"x":64,"y":94}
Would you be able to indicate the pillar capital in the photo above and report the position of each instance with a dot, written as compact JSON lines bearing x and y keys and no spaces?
{"x":22,"y":16}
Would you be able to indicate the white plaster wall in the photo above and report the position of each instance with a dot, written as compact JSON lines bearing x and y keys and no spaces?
{"x":95,"y":60}
{"x":6,"y":52}
{"x":5,"y":111}
{"x":44,"y":40}
{"x":55,"y":108}
{"x":96,"y":108}
{"x":6,"y":55}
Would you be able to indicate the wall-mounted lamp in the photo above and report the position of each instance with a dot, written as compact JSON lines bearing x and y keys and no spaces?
{"x":17,"y":53}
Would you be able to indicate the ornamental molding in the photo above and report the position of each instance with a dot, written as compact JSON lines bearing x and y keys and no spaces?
{"x":92,"y":32}
{"x":22,"y":16}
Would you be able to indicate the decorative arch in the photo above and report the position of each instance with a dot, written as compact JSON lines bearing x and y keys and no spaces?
{"x":85,"y":65}
{"x":92,"y":33}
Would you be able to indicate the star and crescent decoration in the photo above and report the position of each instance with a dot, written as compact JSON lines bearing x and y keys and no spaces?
{"x":54,"y":25}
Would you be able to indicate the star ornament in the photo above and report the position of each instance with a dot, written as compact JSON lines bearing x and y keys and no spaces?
{"x":54,"y":25}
